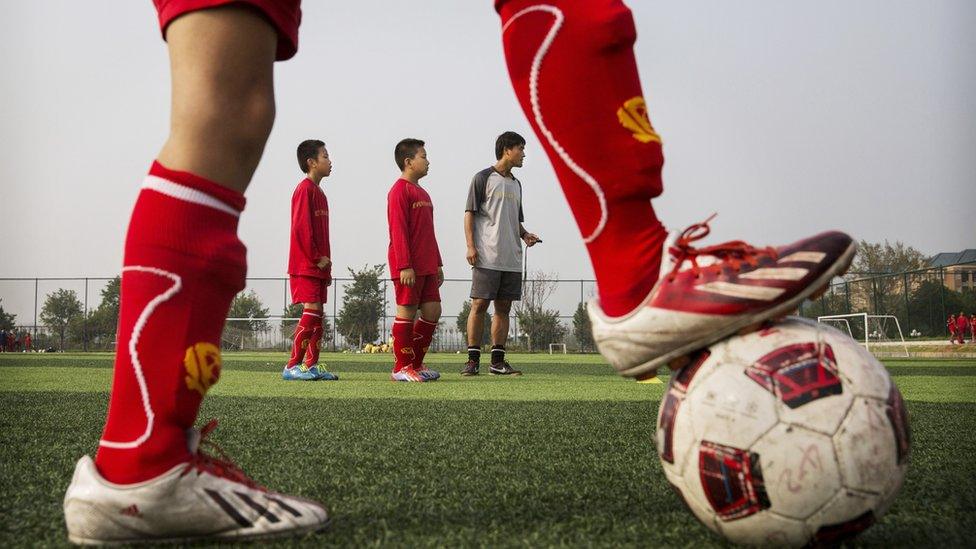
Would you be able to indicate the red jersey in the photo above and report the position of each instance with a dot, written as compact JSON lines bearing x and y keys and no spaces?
{"x":309,"y":231}
{"x":961,"y":323}
{"x":410,"y":215}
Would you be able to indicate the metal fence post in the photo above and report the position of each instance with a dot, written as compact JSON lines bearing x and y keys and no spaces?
{"x":35,"y":308}
{"x":335,"y":298}
{"x":942,"y":321}
{"x":908,"y":313}
{"x":84,"y":321}
{"x":847,"y":291}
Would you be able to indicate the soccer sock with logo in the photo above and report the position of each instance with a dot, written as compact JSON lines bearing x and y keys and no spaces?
{"x":183,"y":265}
{"x":573,"y":70}
{"x":402,"y":343}
{"x":474,"y":353}
{"x":423,"y":334}
{"x":497,"y":354}
{"x":314,"y":343}
{"x":303,"y":331}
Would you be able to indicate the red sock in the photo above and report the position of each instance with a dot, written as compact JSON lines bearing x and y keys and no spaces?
{"x":314,"y":341}
{"x":423,"y":334}
{"x":402,"y":343}
{"x":573,"y":69}
{"x":183,"y":265}
{"x":306,"y":325}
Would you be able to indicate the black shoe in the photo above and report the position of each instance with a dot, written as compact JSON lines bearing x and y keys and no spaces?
{"x":470,"y":368}
{"x":503,"y":369}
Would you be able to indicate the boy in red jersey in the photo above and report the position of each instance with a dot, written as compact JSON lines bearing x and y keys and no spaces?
{"x":309,"y":262}
{"x":951,"y":325}
{"x":972,"y":328}
{"x":183,"y":264}
{"x":415,"y":264}
{"x":961,"y":324}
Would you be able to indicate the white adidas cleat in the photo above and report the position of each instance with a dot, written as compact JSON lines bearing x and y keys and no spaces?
{"x":206,"y":498}
{"x":704,"y":295}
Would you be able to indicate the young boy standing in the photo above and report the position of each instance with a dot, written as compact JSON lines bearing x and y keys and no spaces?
{"x":415,"y":264}
{"x":309,"y":262}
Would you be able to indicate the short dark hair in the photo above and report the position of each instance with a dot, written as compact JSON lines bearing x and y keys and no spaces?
{"x":506,"y":141}
{"x":308,"y":150}
{"x":406,"y":148}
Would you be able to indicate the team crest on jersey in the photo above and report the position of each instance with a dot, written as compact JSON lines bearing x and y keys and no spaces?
{"x":633,"y":116}
{"x":202,"y":363}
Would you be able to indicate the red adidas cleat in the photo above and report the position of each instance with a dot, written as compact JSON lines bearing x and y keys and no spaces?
{"x":707,"y":294}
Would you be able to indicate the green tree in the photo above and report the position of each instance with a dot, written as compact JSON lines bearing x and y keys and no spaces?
{"x":7,"y":320}
{"x":248,"y":305}
{"x":582,"y":330}
{"x":104,"y":319}
{"x":60,"y":310}
{"x":886,"y":258}
{"x":462,"y":323}
{"x":362,"y":306}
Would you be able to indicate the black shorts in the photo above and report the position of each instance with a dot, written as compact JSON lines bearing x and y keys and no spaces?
{"x":492,"y":284}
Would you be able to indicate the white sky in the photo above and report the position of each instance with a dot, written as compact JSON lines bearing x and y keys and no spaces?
{"x":787,"y":118}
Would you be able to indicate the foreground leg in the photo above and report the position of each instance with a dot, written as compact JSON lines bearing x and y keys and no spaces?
{"x":423,"y":334}
{"x":572,"y":67}
{"x":183,"y":265}
{"x":499,"y":337}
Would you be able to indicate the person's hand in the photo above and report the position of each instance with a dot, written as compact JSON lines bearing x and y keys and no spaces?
{"x":408,"y":277}
{"x":324,"y":262}
{"x":531,"y":239}
{"x":440,"y":276}
{"x":472,"y":256}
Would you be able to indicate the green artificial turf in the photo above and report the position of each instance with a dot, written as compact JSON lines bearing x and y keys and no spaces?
{"x":562,"y":456}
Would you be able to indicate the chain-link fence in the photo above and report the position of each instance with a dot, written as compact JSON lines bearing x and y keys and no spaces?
{"x":85,"y":310}
{"x":921,"y":300}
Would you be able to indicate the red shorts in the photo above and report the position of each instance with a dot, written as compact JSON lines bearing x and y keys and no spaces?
{"x":284,"y":15}
{"x":309,"y":289}
{"x":425,"y":289}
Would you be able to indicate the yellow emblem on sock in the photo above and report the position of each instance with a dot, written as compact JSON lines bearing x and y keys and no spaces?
{"x":202,"y":363}
{"x":633,"y":116}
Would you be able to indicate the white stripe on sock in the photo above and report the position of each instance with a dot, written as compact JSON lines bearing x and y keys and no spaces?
{"x":180,"y":192}
{"x":134,"y":352}
{"x":537,"y":111}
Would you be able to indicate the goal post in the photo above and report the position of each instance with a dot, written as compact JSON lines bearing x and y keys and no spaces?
{"x":553,"y":346}
{"x":880,"y":334}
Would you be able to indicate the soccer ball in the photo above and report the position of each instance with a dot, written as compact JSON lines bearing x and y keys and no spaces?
{"x":785,"y":436}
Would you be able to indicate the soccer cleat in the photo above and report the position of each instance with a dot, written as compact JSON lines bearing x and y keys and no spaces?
{"x":706,"y":294}
{"x":208,"y":497}
{"x":307,"y":373}
{"x":503,"y":369}
{"x":470,"y":368}
{"x":408,"y":374}
{"x":428,"y":374}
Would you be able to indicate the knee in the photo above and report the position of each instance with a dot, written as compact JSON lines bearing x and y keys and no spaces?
{"x":479,"y":306}
{"x":503,"y":308}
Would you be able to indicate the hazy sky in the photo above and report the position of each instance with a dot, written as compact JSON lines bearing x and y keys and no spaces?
{"x":785,"y":117}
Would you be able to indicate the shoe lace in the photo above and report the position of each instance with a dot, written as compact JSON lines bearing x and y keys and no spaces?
{"x":734,"y":252}
{"x":219,"y":463}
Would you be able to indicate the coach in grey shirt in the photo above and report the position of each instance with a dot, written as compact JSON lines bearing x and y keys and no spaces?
{"x":494,"y":234}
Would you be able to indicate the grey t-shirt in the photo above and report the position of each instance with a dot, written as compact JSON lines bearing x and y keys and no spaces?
{"x":497,"y":205}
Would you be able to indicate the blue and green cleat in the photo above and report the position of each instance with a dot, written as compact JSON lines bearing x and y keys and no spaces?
{"x":302,"y":372}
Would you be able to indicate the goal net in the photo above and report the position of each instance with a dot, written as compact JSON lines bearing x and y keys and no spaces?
{"x":880,"y":334}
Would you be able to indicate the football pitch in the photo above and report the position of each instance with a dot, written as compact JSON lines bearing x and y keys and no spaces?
{"x":563,"y":456}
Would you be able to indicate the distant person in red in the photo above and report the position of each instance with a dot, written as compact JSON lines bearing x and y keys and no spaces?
{"x":961,"y":324}
{"x":951,"y":324}
{"x":309,"y":262}
{"x":27,"y":338}
{"x":972,"y":328}
{"x":415,"y":264}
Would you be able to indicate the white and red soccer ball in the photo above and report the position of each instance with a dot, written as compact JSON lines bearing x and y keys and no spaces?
{"x":790,"y":435}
